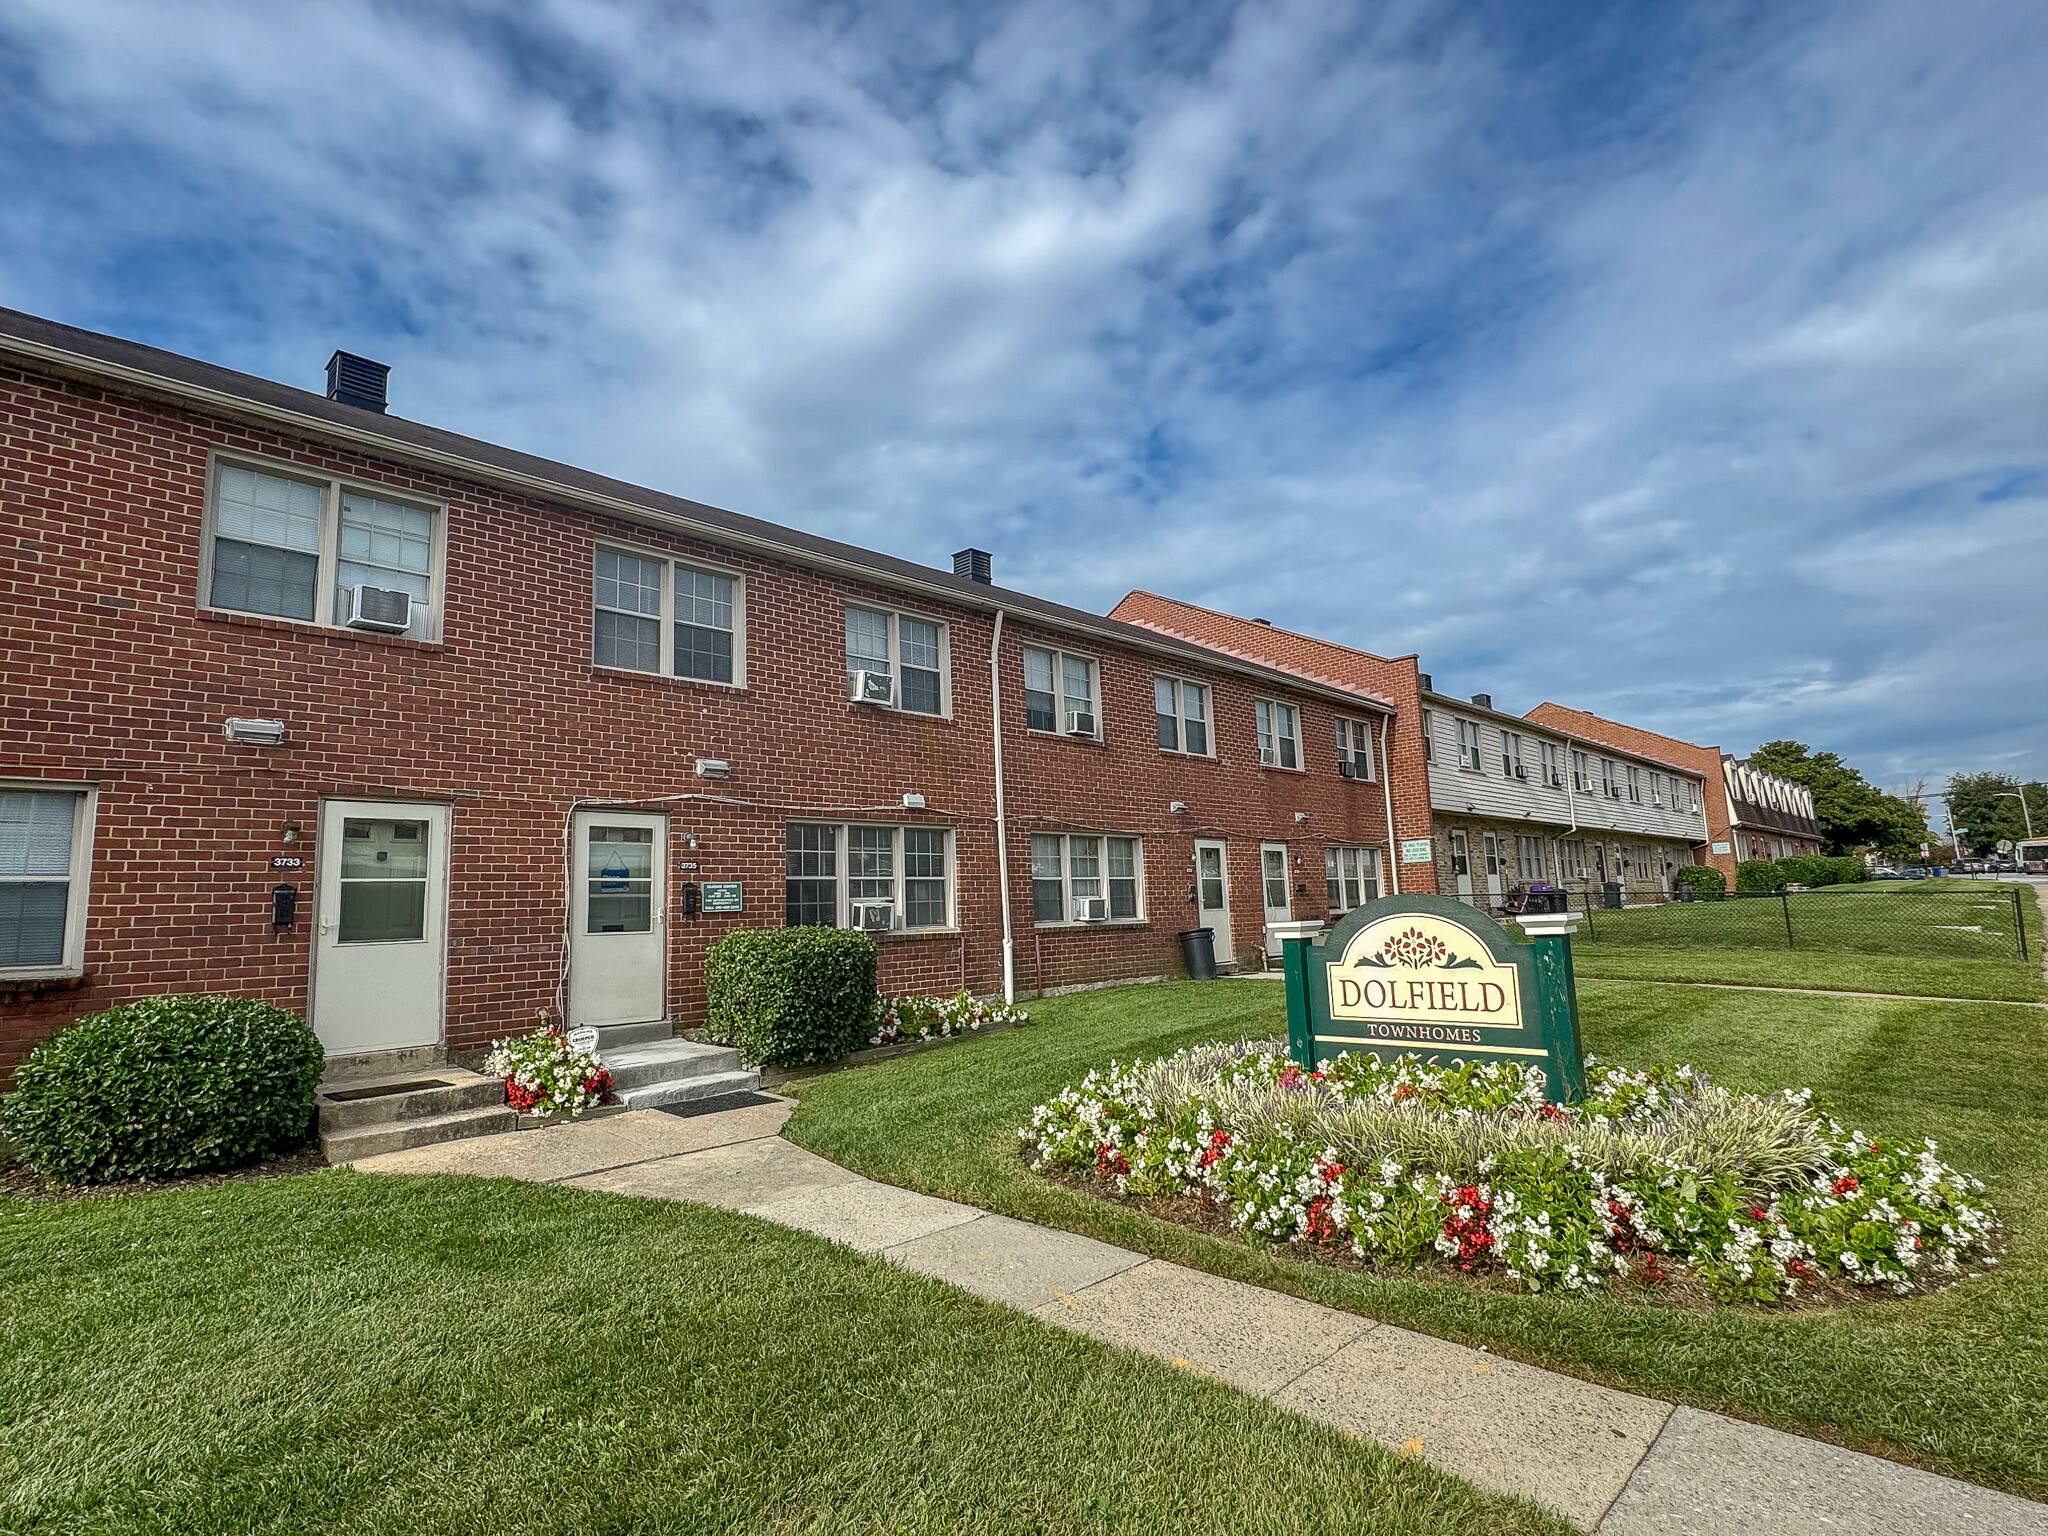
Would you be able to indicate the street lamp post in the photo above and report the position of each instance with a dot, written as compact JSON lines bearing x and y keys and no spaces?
{"x":2026,"y":815}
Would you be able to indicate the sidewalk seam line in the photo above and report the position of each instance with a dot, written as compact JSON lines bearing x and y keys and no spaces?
{"x":1670,"y":1413}
{"x":661,"y":1157}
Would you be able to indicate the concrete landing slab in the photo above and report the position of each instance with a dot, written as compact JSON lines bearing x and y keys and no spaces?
{"x":1013,"y":1262}
{"x":1707,"y":1475}
{"x":739,"y":1177}
{"x":553,"y":1152}
{"x":867,"y":1216}
{"x":1255,"y":1339}
{"x":1507,"y":1427}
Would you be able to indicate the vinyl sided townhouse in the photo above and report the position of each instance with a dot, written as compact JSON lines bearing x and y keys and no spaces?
{"x":1496,"y":800}
{"x":422,"y":735}
{"x":1751,"y":814}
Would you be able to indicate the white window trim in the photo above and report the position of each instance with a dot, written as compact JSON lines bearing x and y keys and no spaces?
{"x":1379,"y":872}
{"x":1361,"y":733}
{"x":1181,"y":719}
{"x":78,"y":892}
{"x":1552,"y":762}
{"x":895,"y":617}
{"x":669,"y":560}
{"x":1300,"y":758}
{"x":1428,"y":734}
{"x":1059,"y":678}
{"x":1067,"y":879}
{"x":426,"y":627}
{"x":842,"y":864}
{"x":1472,"y":760}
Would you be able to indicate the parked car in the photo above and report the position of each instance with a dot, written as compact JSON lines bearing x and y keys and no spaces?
{"x":1913,"y":872}
{"x":1884,"y":872}
{"x":2003,"y":867}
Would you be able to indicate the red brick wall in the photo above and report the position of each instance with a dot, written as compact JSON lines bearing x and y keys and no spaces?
{"x":1394,"y":679}
{"x":114,"y":675}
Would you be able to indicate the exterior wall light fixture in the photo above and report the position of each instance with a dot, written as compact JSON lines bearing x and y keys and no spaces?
{"x":254,"y":733}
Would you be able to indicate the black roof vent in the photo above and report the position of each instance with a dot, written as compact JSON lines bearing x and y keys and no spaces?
{"x":1267,"y":622}
{"x":357,"y":381}
{"x":975,"y":565}
{"x":1427,"y":685}
{"x":1483,"y":700}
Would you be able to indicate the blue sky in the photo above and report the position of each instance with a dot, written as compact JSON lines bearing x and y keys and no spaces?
{"x":1684,"y":363}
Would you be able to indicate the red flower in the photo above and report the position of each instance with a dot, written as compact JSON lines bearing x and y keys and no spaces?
{"x":1847,"y":1185}
{"x":1470,"y":1232}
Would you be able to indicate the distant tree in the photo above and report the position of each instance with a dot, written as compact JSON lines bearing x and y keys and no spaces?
{"x":1853,"y":812}
{"x":1983,"y":807}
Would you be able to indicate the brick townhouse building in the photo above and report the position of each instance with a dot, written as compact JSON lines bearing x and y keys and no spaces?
{"x":1751,"y":814}
{"x":422,"y":735}
{"x":1488,"y":799}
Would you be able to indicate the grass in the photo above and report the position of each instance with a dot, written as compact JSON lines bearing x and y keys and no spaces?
{"x":1966,"y":920}
{"x":1957,"y":1381}
{"x":440,"y":1355}
{"x":1913,"y":975}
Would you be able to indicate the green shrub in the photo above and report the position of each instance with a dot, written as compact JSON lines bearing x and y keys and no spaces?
{"x":788,"y":996}
{"x":1809,"y":870}
{"x":1708,"y":881}
{"x":1851,"y":870}
{"x":165,"y":1086}
{"x":1754,"y":877}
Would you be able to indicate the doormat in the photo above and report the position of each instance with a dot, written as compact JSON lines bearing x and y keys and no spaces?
{"x":693,"y":1107}
{"x":379,"y":1090}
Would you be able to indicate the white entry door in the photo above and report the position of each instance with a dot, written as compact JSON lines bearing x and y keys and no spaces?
{"x":618,"y":920}
{"x":1461,"y":862}
{"x":1212,"y":897}
{"x":1493,"y":868}
{"x":380,"y":957}
{"x":1279,"y":904}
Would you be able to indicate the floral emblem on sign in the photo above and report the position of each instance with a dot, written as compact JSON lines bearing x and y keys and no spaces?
{"x":1415,"y":949}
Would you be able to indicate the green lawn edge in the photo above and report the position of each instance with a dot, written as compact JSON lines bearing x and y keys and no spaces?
{"x":1963,"y":980}
{"x":1953,"y":1382}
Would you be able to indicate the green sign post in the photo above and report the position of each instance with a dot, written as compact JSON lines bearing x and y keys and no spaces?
{"x":1432,"y":977}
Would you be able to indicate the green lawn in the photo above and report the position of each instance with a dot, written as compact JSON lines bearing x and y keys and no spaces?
{"x":1957,"y":1381}
{"x":1919,"y":977}
{"x":1960,"y":919}
{"x":342,"y":1352}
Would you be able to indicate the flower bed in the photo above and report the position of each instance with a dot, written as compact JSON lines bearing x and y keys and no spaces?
{"x":936,"y":1018}
{"x":1654,"y":1177}
{"x":544,"y":1076}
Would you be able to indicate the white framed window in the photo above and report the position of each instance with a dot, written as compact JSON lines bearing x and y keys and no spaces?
{"x":1182,"y":711}
{"x":1469,"y":755}
{"x":914,"y":652}
{"x":667,"y":617}
{"x":1354,"y":747}
{"x":1071,"y":868}
{"x":1609,"y":784}
{"x":1351,"y":876}
{"x":1552,"y":764}
{"x":1658,"y":792}
{"x":1279,"y":734}
{"x":1635,"y":784}
{"x":1062,"y":692}
{"x":1428,"y":734}
{"x":829,"y":867}
{"x":1582,"y":774}
{"x":291,"y":543}
{"x":1529,"y":858}
{"x":45,"y":876}
{"x":1511,"y":765}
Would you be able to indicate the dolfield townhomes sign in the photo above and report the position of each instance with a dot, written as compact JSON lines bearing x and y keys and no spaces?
{"x":1434,"y":978}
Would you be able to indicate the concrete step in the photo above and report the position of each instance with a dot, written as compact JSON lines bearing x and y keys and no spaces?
{"x":683,"y":1090}
{"x":636,"y":1066}
{"x":349,"y":1103}
{"x":612,"y":1037}
{"x":369,"y":1140}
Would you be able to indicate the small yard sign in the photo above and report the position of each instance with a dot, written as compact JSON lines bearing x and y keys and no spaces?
{"x":721,"y":895}
{"x":1415,"y":850}
{"x":1435,"y":978}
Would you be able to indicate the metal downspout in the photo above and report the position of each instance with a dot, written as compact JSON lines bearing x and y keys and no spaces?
{"x":995,"y":704}
{"x":1387,"y":799}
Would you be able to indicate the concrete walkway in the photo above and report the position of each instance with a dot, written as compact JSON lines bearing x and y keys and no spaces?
{"x":1607,"y":1460}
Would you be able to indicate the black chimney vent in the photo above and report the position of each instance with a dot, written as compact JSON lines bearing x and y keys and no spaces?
{"x":357,"y":381}
{"x":974,"y":564}
{"x":1483,"y":700}
{"x":1423,"y":678}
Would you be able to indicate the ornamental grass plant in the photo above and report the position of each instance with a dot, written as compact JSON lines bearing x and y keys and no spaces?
{"x":1655,"y":1174}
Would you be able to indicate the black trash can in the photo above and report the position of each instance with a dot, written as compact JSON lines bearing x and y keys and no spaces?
{"x":1611,"y":895}
{"x":1198,"y":949}
{"x":1688,"y":893}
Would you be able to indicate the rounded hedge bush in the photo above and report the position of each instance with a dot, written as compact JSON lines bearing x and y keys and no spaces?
{"x":790,"y":996}
{"x":165,"y":1086}
{"x":1708,"y":881}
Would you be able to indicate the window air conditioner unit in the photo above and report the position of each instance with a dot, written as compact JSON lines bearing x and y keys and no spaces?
{"x":871,"y":688}
{"x":1350,"y":768}
{"x":1556,"y":779}
{"x":1521,"y":770}
{"x":380,"y":609}
{"x":1080,"y":723}
{"x":1091,"y":909}
{"x":871,"y":916}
